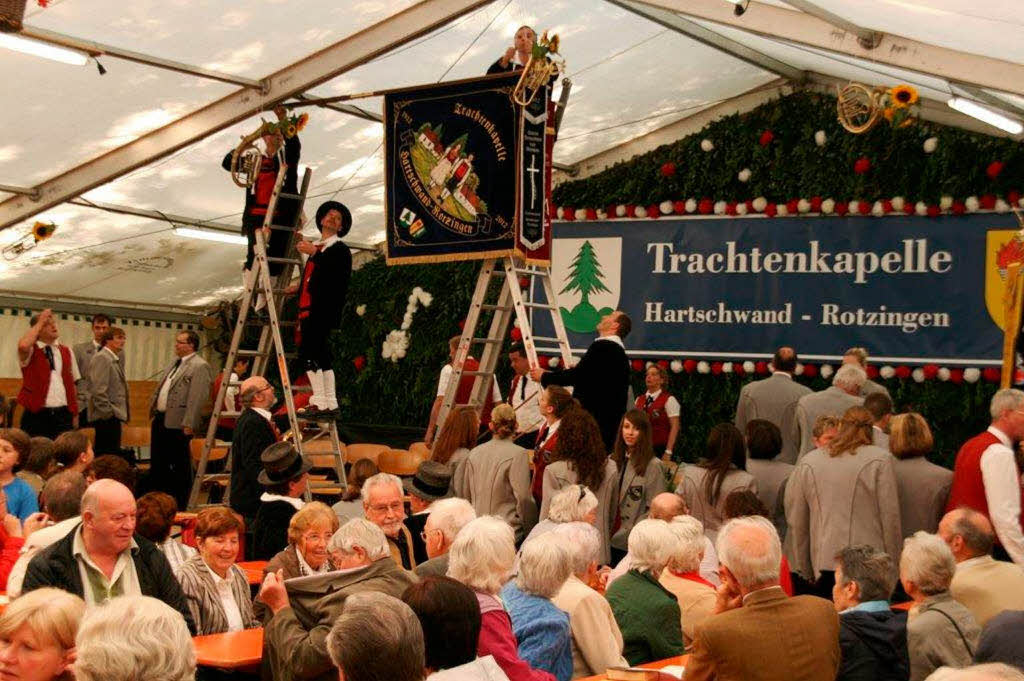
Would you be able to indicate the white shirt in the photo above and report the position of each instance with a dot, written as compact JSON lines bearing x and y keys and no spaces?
{"x":227,"y":600}
{"x":124,"y":570}
{"x":231,"y":392}
{"x":56,"y":395}
{"x":550,"y":431}
{"x":613,"y":339}
{"x":671,"y":404}
{"x":528,"y":409}
{"x":446,"y":375}
{"x":161,"y":398}
{"x":1002,"y":492}
{"x":306,"y":569}
{"x":297,"y":503}
{"x":264,"y":413}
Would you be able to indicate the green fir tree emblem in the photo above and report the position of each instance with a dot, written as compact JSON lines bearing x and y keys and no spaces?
{"x":585,"y":276}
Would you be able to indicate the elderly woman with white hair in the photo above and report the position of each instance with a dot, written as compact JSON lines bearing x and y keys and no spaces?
{"x":134,"y":637}
{"x":940,"y":631}
{"x":575,"y":503}
{"x":481,"y":558}
{"x":541,"y":629}
{"x":596,"y":639}
{"x":695,"y":595}
{"x":647,"y":612}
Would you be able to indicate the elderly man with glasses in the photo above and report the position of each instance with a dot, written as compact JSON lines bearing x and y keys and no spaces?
{"x":383,"y":506}
{"x":254,"y":432}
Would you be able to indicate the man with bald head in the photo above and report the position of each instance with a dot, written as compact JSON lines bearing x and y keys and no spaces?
{"x":254,"y":432}
{"x":774,"y":399}
{"x":103,"y":557}
{"x":984,"y":585}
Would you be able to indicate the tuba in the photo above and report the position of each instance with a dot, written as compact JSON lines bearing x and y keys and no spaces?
{"x":539,"y":70}
{"x":245,"y":159}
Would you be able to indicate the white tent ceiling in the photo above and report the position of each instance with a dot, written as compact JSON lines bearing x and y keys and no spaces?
{"x":630,"y":76}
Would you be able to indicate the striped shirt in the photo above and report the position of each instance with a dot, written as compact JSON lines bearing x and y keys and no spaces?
{"x":177,"y":553}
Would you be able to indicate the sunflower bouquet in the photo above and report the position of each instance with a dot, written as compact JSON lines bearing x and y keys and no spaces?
{"x":899,"y":105}
{"x":288,"y":127}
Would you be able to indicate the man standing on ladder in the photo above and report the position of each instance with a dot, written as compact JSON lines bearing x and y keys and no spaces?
{"x":322,"y":291}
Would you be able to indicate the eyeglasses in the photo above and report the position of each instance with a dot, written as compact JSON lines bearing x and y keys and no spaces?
{"x":426,"y":533}
{"x":583,"y":493}
{"x":315,"y":536}
{"x":394,"y":507}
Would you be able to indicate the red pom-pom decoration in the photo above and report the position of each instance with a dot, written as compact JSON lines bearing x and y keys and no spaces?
{"x":988,"y":201}
{"x":706,"y":206}
{"x":815,"y":204}
{"x":462,"y":324}
{"x":902,"y":372}
{"x":991,"y":374}
{"x":591,"y":214}
{"x":730,"y":208}
{"x":524,"y":283}
{"x":766,"y":138}
{"x":653,"y":211}
{"x":770,"y":210}
{"x":610,"y":212}
{"x":886,"y":206}
{"x":690,"y":365}
{"x":930,"y":371}
{"x":517,"y":334}
{"x":637,"y":364}
{"x":663,"y":363}
{"x":359,"y":363}
{"x":630,"y":211}
{"x":668,"y":169}
{"x":908,"y":207}
{"x":872,"y":372}
{"x":863,"y":207}
{"x":862,"y":165}
{"x":792,"y":206}
{"x":810,"y":370}
{"x":679,"y":207}
{"x":544,"y":361}
{"x":568,"y":214}
{"x":842,"y":208}
{"x":994,"y":168}
{"x":959,"y":208}
{"x":737,"y":369}
{"x":1013,"y":197}
{"x":956,"y":376}
{"x":716,"y":368}
{"x":761,"y":367}
{"x":934,"y":211}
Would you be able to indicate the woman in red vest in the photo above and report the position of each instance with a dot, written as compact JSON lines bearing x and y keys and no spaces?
{"x":554,"y":402}
{"x":662,"y":410}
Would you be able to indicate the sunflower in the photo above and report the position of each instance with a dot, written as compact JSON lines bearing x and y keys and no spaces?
{"x":290,"y":131}
{"x":303,"y":119}
{"x":903,"y":96}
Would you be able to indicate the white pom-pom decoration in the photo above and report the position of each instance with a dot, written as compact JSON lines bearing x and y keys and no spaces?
{"x":918,"y":375}
{"x":726,"y":367}
{"x":665,"y":207}
{"x":707,"y":145}
{"x":887,"y":372}
{"x":820,"y":138}
{"x":741,"y":208}
{"x":972,"y":375}
{"x":898,"y":202}
{"x":554,"y":362}
{"x":719,"y":207}
{"x":781,"y":210}
{"x":799,"y":370}
{"x":803,"y":206}
{"x":690,"y":205}
{"x":748,"y":367}
{"x":703,"y":367}
{"x":972,"y":204}
{"x":853,"y":207}
{"x":931,"y":144}
{"x":828,"y":206}
{"x":826,"y":371}
{"x":743,"y":175}
{"x":676,"y":366}
{"x":620,"y":211}
{"x":1020,"y":202}
{"x":1002,"y":206}
{"x":877,"y":210}
{"x":560,"y":212}
{"x":602,"y":214}
{"x":580,"y":214}
{"x":640,"y":212}
{"x":921,"y":208}
{"x":945,"y":202}
{"x":759,"y":204}
{"x":943,"y":374}
{"x":361,"y":310}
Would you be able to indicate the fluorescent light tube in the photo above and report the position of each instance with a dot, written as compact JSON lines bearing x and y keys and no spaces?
{"x":982,"y":113}
{"x":40,"y":49}
{"x":211,"y":235}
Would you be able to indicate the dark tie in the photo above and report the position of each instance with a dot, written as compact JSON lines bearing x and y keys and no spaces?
{"x":649,"y":401}
{"x":49,"y":357}
{"x":522,"y":388}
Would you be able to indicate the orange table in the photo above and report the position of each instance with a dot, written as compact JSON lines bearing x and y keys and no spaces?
{"x":233,"y":650}
{"x":253,"y":569}
{"x":681,"y":660}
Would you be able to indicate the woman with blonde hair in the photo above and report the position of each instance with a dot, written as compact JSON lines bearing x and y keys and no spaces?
{"x":838,"y":496}
{"x":457,"y":438}
{"x":923,"y":486}
{"x":497,"y":475}
{"x":37,"y":636}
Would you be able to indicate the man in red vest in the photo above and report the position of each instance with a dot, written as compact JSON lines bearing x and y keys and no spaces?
{"x":48,"y":375}
{"x":986,"y":477}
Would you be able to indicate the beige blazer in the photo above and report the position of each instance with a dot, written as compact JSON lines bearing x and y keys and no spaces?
{"x":923,"y":488}
{"x":987,"y":586}
{"x":691,"y":489}
{"x":635,"y":495}
{"x":189,"y":393}
{"x":557,"y":476}
{"x":596,"y":639}
{"x":837,"y":501}
{"x":457,"y":463}
{"x":696,"y":602}
{"x":497,"y":478}
{"x":831,"y":401}
{"x":773,"y":399}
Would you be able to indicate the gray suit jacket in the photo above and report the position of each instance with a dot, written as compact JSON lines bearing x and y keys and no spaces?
{"x":872,"y":387}
{"x":832,"y":401}
{"x":108,"y":391}
{"x":84,"y":353}
{"x":189,"y":393}
{"x":497,"y":482}
{"x":773,"y":399}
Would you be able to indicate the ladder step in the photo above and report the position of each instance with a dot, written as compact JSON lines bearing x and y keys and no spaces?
{"x":259,"y":353}
{"x":496,"y":307}
{"x":282,"y":228}
{"x":530,"y":273}
{"x":541,"y":306}
{"x":264,"y":322}
{"x":286,"y":195}
{"x":550,"y":339}
{"x":294,"y":261}
{"x":477,"y":373}
{"x":230,"y":414}
{"x":497,"y":341}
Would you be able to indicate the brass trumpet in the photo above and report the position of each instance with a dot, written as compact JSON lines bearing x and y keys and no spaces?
{"x":544,"y":63}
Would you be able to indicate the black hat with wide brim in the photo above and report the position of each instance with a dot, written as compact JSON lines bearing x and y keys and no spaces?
{"x":346,"y":216}
{"x":281,"y":463}
{"x":431,"y":481}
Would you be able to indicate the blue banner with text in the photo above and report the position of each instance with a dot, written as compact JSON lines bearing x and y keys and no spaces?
{"x":910,"y":289}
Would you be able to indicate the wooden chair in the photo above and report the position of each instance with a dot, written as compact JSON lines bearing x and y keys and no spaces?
{"x":399,"y":462}
{"x":364,"y":451}
{"x":217,"y":453}
{"x":135,"y":436}
{"x":420,"y":449}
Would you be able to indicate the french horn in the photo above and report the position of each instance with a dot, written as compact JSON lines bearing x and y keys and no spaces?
{"x":245,"y":159}
{"x":859,"y":107}
{"x":544,"y":64}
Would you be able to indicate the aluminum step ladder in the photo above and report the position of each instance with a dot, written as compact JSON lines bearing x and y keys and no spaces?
{"x":270,"y":345}
{"x":513,"y":301}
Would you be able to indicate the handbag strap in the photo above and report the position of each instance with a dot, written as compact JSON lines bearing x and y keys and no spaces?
{"x":956,"y":626}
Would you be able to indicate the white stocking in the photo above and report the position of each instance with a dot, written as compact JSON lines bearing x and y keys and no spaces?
{"x":329,"y":397}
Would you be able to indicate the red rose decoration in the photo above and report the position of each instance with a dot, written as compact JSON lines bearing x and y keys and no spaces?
{"x":930,"y":371}
{"x":653,"y":211}
{"x":872,"y":371}
{"x":1012,"y":197}
{"x":959,"y":208}
{"x":815,"y":204}
{"x":842,"y":208}
{"x":679,"y":207}
{"x":668,"y":169}
{"x":705,"y":206}
{"x":886,"y":206}
{"x":792,"y":206}
{"x":991,"y":374}
{"x":663,"y":363}
{"x":716,"y":368}
{"x":988,"y":201}
{"x":770,"y":210}
{"x":730,"y":208}
{"x":862,"y":165}
{"x":766,"y":138}
{"x":690,"y":365}
{"x":591,"y":214}
{"x":934,"y":211}
{"x":994,"y":168}
{"x":544,"y":361}
{"x":637,"y":364}
{"x":902,"y":372}
{"x":761,"y":367}
{"x":810,"y":370}
{"x":956,"y":376}
{"x":737,"y":369}
{"x":517,"y":334}
{"x":359,"y":363}
{"x":630,"y":211}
